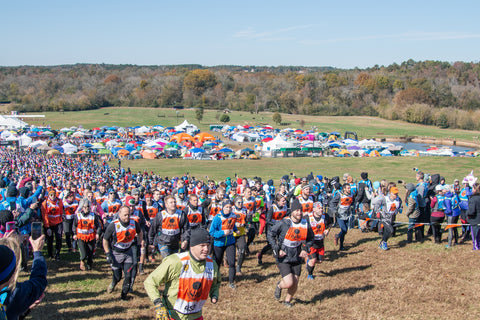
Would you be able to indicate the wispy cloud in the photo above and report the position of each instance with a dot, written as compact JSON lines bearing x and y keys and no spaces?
{"x":408,"y":36}
{"x":273,"y":35}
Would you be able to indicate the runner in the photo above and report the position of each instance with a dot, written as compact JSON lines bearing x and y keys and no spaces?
{"x":320,"y":224}
{"x":342,"y":205}
{"x":86,"y":231}
{"x":291,"y":240}
{"x":190,"y":278}
{"x":169,"y":228}
{"x":388,"y":206}
{"x":240,"y":242}
{"x":52,"y":212}
{"x":275,"y":214}
{"x":222,"y":229}
{"x":117,"y":243}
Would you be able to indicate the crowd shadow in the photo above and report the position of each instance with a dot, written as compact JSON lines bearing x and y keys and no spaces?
{"x":258,"y":278}
{"x":334,"y":272}
{"x":325,"y":294}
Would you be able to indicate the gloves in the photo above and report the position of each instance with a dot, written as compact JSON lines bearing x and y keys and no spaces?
{"x":110,"y":258}
{"x":161,"y":312}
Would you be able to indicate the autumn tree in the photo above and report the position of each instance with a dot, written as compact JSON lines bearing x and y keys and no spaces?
{"x":199,"y":80}
{"x":410,"y":96}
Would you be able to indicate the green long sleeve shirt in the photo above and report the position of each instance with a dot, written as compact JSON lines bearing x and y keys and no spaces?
{"x":168,"y":273}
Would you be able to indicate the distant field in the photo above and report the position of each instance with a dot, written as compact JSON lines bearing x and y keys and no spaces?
{"x":366,"y":127}
{"x":391,"y":168}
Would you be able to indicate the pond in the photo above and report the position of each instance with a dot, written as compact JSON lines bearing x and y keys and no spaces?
{"x":423,"y":146}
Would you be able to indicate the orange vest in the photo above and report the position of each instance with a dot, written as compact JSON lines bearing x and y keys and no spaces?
{"x":296,"y":234}
{"x":215,"y":208}
{"x":70,"y":209}
{"x":113,"y":207}
{"x":152,"y":211}
{"x":307,"y":205}
{"x":228,"y":223}
{"x":53,"y":212}
{"x":170,"y":223}
{"x":86,"y":227}
{"x":318,"y":227}
{"x":194,"y":216}
{"x":277,"y":213}
{"x":249,"y":204}
{"x":193,"y":288}
{"x":125,"y":235}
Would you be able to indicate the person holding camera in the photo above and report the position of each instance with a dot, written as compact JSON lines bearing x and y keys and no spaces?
{"x":16,"y":299}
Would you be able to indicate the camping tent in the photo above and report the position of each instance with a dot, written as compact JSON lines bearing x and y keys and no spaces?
{"x":276,"y":144}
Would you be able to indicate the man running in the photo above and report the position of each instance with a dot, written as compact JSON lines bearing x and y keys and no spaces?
{"x":190,"y":278}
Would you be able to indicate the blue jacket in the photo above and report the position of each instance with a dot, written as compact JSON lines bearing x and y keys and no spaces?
{"x":26,"y":293}
{"x":452,"y":207}
{"x":220,"y":240}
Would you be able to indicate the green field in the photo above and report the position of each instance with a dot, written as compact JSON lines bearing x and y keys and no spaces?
{"x":366,"y":127}
{"x":391,"y":168}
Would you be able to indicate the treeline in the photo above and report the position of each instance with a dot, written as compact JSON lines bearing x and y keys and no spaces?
{"x":427,"y":92}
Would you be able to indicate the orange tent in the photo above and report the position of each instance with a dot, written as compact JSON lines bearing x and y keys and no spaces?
{"x":123,"y":152}
{"x":147,"y":154}
{"x":179,"y":137}
{"x":204,"y":136}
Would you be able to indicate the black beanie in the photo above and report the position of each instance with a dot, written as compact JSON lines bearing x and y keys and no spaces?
{"x":199,"y":236}
{"x":8,"y":264}
{"x":225,"y":202}
{"x":12,"y":190}
{"x":24,"y":192}
{"x":295,"y":205}
{"x":364,"y":175}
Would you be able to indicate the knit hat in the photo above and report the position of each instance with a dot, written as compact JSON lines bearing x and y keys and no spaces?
{"x":199,"y":236}
{"x":319,"y":177}
{"x":317,"y":204}
{"x":135,"y":191}
{"x":129,"y":200}
{"x":8,"y":264}
{"x":364,"y":175}
{"x":345,"y":176}
{"x":225,"y":202}
{"x":376,"y":185}
{"x":295,"y":205}
{"x":410,"y":187}
{"x":12,"y":191}
{"x":394,"y":190}
{"x":24,"y":192}
{"x":297,"y":181}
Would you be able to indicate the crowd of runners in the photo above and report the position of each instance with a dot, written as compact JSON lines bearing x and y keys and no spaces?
{"x":132,"y":219}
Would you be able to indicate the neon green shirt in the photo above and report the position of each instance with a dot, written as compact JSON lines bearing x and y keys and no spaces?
{"x":168,"y":272}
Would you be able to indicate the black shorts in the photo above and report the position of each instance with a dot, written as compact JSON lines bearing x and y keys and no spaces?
{"x":287,"y":268}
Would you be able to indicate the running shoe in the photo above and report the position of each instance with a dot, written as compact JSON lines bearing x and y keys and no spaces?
{"x":287,"y":304}
{"x":310,"y":277}
{"x":232,"y":286}
{"x":335,"y":240}
{"x":110,"y":288}
{"x":259,"y":258}
{"x":278,"y":291}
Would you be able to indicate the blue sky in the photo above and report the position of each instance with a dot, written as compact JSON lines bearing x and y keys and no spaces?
{"x":342,"y":34}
